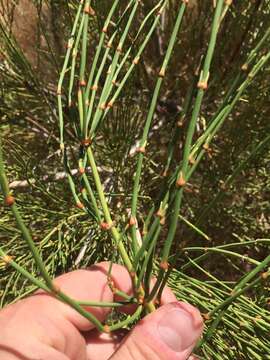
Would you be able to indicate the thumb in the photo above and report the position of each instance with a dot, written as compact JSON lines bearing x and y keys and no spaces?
{"x":170,"y":332}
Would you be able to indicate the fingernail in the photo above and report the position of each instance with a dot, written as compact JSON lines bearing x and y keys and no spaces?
{"x":180,"y":327}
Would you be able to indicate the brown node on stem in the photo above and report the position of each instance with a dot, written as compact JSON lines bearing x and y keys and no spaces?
{"x":56,"y":289}
{"x":132,"y":274}
{"x":185,"y":1}
{"x":206,"y":147}
{"x":265,"y":275}
{"x":103,"y":106}
{"x":242,"y":324}
{"x":164,"y":265}
{"x":59,"y":92}
{"x":161,"y":74}
{"x":110,"y":104}
{"x":162,"y":221}
{"x":7,"y":259}
{"x":181,"y":181}
{"x":94,"y":87}
{"x":141,"y":150}
{"x":105,"y":226}
{"x":140,"y":299}
{"x":191,"y":159}
{"x":86,"y":142}
{"x":82,"y":83}
{"x":132,"y":221}
{"x":109,"y":45}
{"x":80,"y":205}
{"x":203,"y":85}
{"x":89,"y":10}
{"x":208,"y":150}
{"x":81,"y":170}
{"x":74,"y":53}
{"x":160,"y":213}
{"x":106,"y":329}
{"x":228,"y":2}
{"x":69,"y":44}
{"x":206,"y":316}
{"x":119,"y":49}
{"x":180,"y":123}
{"x":136,"y":60}
{"x":9,"y":200}
{"x":113,"y":289}
{"x":114,"y":82}
{"x":62,"y":146}
{"x":111,"y":283}
{"x":92,"y":11}
{"x":257,"y":317}
{"x":244,"y":67}
{"x":165,"y":173}
{"x":105,"y":29}
{"x":83,"y":190}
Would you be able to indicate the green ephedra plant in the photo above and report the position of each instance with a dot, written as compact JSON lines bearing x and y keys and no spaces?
{"x":145,"y":235}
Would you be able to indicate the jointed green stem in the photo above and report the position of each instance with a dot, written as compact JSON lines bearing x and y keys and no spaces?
{"x":202,"y":85}
{"x":160,"y":5}
{"x":115,"y":234}
{"x":111,"y":227}
{"x":130,"y":319}
{"x":143,"y":141}
{"x":25,"y":232}
{"x":62,"y":75}
{"x":108,"y":82}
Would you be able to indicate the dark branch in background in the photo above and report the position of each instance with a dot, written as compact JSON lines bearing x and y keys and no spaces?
{"x":242,"y":39}
{"x":46,"y":178}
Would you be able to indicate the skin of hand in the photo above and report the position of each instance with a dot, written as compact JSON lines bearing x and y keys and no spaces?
{"x":41,"y":327}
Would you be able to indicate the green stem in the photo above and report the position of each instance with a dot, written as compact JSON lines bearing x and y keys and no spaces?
{"x":130,"y":319}
{"x":62,"y":75}
{"x":20,"y":224}
{"x":115,"y":234}
{"x":143,"y":141}
{"x":191,"y":129}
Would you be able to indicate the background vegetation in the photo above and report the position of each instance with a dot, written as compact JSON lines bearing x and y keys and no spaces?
{"x":227,"y":200}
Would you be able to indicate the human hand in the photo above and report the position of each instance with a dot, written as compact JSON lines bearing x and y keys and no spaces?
{"x":41,"y":327}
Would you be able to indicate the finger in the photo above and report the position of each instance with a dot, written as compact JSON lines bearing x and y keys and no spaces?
{"x":91,"y":284}
{"x":124,"y":284}
{"x":101,"y":346}
{"x":170,"y":332}
{"x":43,"y":319}
{"x":167,"y":295}
{"x":189,"y":328}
